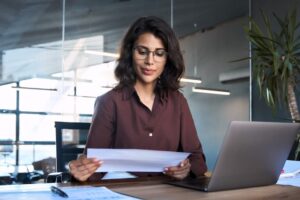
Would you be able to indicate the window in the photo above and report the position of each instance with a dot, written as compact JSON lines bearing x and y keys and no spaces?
{"x":8,"y":126}
{"x":32,"y":153}
{"x":9,"y":102}
{"x":35,"y":127}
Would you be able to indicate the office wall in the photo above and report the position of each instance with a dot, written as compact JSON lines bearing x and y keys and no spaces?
{"x":260,"y":111}
{"x":210,"y":53}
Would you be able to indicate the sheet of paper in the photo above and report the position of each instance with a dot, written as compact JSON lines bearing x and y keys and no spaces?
{"x":136,"y":160}
{"x":74,"y":193}
{"x":290,"y":167}
{"x":88,"y":193}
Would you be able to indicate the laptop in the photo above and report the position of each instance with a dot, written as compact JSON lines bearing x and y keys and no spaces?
{"x":252,"y":154}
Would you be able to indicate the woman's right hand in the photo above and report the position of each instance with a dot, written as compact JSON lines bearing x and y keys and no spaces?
{"x":83,"y":167}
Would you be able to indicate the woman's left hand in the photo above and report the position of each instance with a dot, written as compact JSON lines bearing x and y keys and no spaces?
{"x":179,"y":172}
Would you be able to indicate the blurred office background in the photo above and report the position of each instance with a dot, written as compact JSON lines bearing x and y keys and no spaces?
{"x":57,"y":56}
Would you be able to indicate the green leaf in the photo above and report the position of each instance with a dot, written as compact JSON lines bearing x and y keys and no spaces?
{"x":269,"y":29}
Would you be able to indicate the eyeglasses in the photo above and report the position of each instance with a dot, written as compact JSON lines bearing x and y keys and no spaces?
{"x":141,"y":53}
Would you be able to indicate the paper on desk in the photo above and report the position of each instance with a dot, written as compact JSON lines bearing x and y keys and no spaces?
{"x":291,"y":174}
{"x":74,"y":193}
{"x":136,"y":160}
{"x":89,"y":192}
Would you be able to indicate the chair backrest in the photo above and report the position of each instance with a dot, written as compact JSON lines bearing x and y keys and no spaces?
{"x":70,"y":142}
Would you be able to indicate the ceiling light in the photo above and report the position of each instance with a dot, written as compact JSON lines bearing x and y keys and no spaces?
{"x":101,"y":53}
{"x":190,"y":80}
{"x":210,"y":91}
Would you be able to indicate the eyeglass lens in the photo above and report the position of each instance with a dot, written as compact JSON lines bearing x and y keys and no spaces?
{"x":143,"y":52}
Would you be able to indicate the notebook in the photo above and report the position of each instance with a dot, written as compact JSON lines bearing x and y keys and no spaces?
{"x":252,"y":154}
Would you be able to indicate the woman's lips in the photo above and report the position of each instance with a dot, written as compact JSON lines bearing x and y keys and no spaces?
{"x":147,"y":72}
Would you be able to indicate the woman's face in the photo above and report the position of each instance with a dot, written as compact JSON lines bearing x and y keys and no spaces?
{"x":149,"y":58}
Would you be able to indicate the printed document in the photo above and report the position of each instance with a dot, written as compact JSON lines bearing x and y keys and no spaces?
{"x":89,"y":192}
{"x":290,"y":174}
{"x":136,"y":160}
{"x":74,"y":193}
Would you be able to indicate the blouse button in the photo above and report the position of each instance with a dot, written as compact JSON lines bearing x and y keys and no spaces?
{"x":150,"y":134}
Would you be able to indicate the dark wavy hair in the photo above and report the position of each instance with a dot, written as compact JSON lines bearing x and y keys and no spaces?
{"x":174,"y":67}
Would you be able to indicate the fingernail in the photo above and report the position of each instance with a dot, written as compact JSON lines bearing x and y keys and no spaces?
{"x":181,"y":164}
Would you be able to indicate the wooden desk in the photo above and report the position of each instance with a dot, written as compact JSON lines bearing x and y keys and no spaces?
{"x":164,"y":191}
{"x":156,"y":189}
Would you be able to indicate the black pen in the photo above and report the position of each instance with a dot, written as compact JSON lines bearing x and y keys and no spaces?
{"x":58,"y":191}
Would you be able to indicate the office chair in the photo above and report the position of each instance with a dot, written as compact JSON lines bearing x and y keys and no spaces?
{"x":46,"y":165}
{"x":70,"y":142}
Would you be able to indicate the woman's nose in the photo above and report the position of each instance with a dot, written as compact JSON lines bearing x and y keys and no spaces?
{"x":150,"y":58}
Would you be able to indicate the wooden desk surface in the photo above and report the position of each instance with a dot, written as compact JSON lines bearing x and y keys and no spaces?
{"x":154,"y":189}
{"x":164,"y":191}
{"x":157,"y":189}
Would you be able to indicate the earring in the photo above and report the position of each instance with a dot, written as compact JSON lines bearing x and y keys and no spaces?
{"x":159,"y":81}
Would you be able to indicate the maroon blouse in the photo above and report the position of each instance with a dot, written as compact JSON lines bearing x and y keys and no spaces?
{"x":121,"y":120}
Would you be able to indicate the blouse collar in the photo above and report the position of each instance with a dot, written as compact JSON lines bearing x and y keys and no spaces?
{"x":129,"y":91}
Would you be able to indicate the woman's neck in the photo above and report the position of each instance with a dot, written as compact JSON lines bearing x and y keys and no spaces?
{"x":146,"y":93}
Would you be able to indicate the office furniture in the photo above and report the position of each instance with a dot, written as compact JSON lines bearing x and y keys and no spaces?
{"x":5,"y":178}
{"x":46,"y":166}
{"x":58,"y":177}
{"x":27,"y":177}
{"x":151,"y":188}
{"x":70,"y":141}
{"x":6,"y":148}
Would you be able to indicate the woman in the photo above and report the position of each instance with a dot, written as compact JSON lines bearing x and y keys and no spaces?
{"x":145,"y":110}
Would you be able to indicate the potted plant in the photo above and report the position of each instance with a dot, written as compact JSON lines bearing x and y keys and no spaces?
{"x":276,"y":62}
